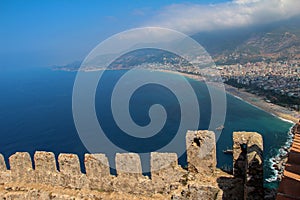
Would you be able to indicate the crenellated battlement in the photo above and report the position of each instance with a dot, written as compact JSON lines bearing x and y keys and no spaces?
{"x":167,"y":176}
{"x":164,"y":168}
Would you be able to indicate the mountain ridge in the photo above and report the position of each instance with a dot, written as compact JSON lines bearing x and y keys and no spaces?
{"x":273,"y":42}
{"x":278,"y":41}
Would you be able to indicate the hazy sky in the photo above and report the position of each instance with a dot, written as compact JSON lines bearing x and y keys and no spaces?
{"x":54,"y":32}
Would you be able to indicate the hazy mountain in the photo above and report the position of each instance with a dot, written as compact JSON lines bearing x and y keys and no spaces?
{"x":279,"y":40}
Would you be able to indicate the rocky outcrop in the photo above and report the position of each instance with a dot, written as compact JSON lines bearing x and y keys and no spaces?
{"x":290,"y":183}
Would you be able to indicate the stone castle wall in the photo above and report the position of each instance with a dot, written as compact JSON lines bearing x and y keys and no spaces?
{"x":201,"y":179}
{"x":166,"y":174}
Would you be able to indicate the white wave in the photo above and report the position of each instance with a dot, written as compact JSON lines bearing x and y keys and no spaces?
{"x":274,"y":177}
{"x":239,"y":98}
{"x":278,"y":157}
{"x":286,"y":120}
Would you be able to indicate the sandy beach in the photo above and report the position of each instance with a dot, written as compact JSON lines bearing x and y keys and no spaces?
{"x":258,"y":101}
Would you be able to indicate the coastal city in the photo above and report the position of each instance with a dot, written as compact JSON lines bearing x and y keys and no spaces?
{"x":279,"y":77}
{"x":277,"y":81}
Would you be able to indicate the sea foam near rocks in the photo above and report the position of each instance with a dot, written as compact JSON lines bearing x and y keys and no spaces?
{"x":278,"y":161}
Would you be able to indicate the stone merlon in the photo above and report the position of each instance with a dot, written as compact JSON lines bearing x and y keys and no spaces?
{"x":201,"y":151}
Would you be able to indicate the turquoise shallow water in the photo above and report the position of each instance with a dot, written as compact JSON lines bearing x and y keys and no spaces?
{"x":36,"y":114}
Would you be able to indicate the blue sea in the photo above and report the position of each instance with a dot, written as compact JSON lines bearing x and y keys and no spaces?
{"x":36,"y":114}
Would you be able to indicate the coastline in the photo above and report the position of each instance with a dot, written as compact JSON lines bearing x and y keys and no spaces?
{"x":278,"y":162}
{"x":290,"y":170}
{"x":282,"y":113}
{"x":278,"y":111}
{"x":257,"y":101}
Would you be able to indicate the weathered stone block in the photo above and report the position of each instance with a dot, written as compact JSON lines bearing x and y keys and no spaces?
{"x":70,"y":173}
{"x":248,"y":162}
{"x":69,"y":164}
{"x":45,"y":168}
{"x":96,"y":165}
{"x":4,"y":173}
{"x":165,"y":171}
{"x":201,"y":151}
{"x":128,"y":164}
{"x":44,"y":161}
{"x":21,"y":167}
{"x":2,"y":163}
{"x":97,"y":171}
{"x":161,"y":161}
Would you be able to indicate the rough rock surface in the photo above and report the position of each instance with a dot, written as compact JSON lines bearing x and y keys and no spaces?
{"x":128,"y":164}
{"x":37,"y":191}
{"x":201,"y":151}
{"x":165,"y":172}
{"x":248,"y":163}
{"x":202,"y":180}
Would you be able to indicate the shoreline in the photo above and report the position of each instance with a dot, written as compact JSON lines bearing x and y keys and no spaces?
{"x":280,"y":112}
{"x":279,"y":160}
{"x":289,"y":168}
{"x":284,"y":114}
{"x":277,"y":163}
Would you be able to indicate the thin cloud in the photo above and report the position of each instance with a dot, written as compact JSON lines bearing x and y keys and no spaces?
{"x":191,"y":18}
{"x":139,"y":12}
